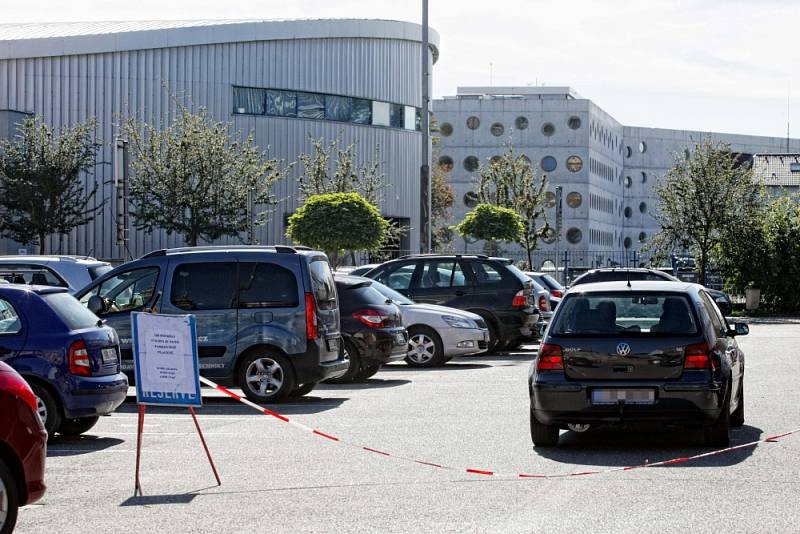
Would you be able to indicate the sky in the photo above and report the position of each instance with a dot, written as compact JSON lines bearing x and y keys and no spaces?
{"x":709,"y":65}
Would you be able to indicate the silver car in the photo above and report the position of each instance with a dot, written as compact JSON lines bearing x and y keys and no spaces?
{"x":437,"y":333}
{"x":72,"y":272}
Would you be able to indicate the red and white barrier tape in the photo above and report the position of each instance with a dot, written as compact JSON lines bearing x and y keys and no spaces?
{"x":483,"y":472}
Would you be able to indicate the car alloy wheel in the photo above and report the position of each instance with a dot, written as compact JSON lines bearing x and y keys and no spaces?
{"x":264,"y":376}
{"x":41,"y":409}
{"x":3,"y":504}
{"x":421,"y":349}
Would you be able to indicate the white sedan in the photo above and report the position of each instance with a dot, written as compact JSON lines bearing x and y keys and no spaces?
{"x":437,"y":333}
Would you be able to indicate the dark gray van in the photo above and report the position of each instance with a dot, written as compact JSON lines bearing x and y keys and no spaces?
{"x":267,"y":317}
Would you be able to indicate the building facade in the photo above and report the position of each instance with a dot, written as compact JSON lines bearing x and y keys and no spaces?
{"x":607,"y":171}
{"x":283,"y":81}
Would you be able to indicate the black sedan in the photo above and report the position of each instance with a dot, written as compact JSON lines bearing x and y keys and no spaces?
{"x":619,"y":352}
{"x":372,"y":328}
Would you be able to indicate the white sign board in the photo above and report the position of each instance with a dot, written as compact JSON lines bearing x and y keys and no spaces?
{"x":165,"y":359}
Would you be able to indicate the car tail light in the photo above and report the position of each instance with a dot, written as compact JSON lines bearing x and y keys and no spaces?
{"x":550,"y":358}
{"x":372,"y":318}
{"x":697,"y":356}
{"x":543,"y":303}
{"x":16,"y":385}
{"x":312,"y":330}
{"x":520,"y":300}
{"x":79,"y":363}
{"x":557,"y":293}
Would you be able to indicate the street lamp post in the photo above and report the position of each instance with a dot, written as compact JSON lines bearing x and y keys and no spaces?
{"x":425,"y":167}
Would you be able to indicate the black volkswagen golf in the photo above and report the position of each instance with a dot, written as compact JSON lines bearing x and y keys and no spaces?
{"x":619,"y":352}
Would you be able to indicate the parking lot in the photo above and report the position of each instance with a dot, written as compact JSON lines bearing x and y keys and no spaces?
{"x":471,"y":413}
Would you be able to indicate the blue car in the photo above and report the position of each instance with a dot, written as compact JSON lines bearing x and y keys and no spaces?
{"x":70,"y":359}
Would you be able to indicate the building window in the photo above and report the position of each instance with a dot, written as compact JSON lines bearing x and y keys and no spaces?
{"x":628,"y":212}
{"x":628,"y":181}
{"x":574,"y":123}
{"x":574,"y":200}
{"x":642,"y":237}
{"x":642,"y":207}
{"x":548,"y":163}
{"x":281,"y":103}
{"x":549,"y":236}
{"x":446,"y":163}
{"x":525,"y":160}
{"x":497,"y":129}
{"x":548,"y":129}
{"x":473,"y":123}
{"x":550,"y":199}
{"x":310,"y":106}
{"x":471,"y":199}
{"x":628,"y":152}
{"x":248,"y":101}
{"x":574,"y":235}
{"x":361,"y":111}
{"x":644,"y":177}
{"x":574,"y":163}
{"x":380,"y":113}
{"x":627,"y":242}
{"x":446,"y":129}
{"x":338,"y":108}
{"x":494,"y":160}
{"x":396,"y":116}
{"x":471,"y":163}
{"x":521,"y":123}
{"x":642,"y":147}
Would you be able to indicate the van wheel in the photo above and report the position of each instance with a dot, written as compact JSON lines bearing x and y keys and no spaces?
{"x":737,"y":417}
{"x":368,"y":370}
{"x":349,"y":350}
{"x":719,"y":433}
{"x":543,"y":435}
{"x":76,"y":427}
{"x":424,"y":347}
{"x":303,"y":389}
{"x":9,"y":499}
{"x":48,"y":407}
{"x":266,"y":377}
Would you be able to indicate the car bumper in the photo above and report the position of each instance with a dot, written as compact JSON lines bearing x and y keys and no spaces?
{"x":514,"y":324}
{"x":308,"y":367}
{"x":382,"y":345}
{"x":559,"y":402}
{"x":462,"y":341}
{"x":95,"y":395}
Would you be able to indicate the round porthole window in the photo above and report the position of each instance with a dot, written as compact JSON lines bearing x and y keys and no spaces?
{"x":642,"y":237}
{"x":473,"y":123}
{"x":549,"y":163}
{"x":446,"y":163}
{"x":628,"y":212}
{"x":549,"y":236}
{"x":521,"y":123}
{"x":524,"y":159}
{"x":471,"y":163}
{"x":550,"y":199}
{"x":642,"y":147}
{"x":626,"y":242}
{"x":446,"y":129}
{"x":494,"y":160}
{"x":628,"y":152}
{"x":574,"y":235}
{"x":574,"y":123}
{"x":574,"y":163}
{"x":574,"y":200}
{"x":497,"y":129}
{"x":628,"y":181}
{"x":446,"y":236}
{"x":643,"y":207}
{"x":548,"y":129}
{"x":644,"y":177}
{"x":471,"y":199}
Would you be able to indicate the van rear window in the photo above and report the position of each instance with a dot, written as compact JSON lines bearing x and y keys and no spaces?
{"x":322,"y":284}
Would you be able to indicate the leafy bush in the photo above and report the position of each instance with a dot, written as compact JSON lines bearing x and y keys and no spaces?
{"x":492,"y":223}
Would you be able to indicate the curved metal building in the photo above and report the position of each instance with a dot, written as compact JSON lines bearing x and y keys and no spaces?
{"x":283,"y":81}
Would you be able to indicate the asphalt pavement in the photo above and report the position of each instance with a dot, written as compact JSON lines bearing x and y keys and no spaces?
{"x":472,"y":413}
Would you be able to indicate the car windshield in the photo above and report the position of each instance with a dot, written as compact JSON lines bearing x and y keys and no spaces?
{"x":74,"y":315}
{"x":626,"y":313}
{"x":390,"y":293}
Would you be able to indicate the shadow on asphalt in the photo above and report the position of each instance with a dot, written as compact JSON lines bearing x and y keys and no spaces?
{"x":449,"y":366}
{"x":146,"y":500}
{"x":310,"y":404}
{"x":79,"y":445}
{"x":371,"y":383}
{"x":623,"y":447}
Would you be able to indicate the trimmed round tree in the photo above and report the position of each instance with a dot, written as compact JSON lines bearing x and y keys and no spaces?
{"x":492,"y":223}
{"x":337,"y":221}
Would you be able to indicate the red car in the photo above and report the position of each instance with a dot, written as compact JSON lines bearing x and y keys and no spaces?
{"x":23,"y":447}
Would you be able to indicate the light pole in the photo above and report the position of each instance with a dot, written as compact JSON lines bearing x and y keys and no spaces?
{"x":425,"y":167}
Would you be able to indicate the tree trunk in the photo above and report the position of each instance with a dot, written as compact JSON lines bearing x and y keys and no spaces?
{"x":701,"y":279}
{"x":333,"y":258}
{"x":41,"y":243}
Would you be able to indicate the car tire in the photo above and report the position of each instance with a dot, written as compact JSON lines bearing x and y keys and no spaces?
{"x":368,"y":370}
{"x":515,"y":344}
{"x":355,"y":365}
{"x":49,"y":409}
{"x":737,"y":417}
{"x":303,"y":389}
{"x":543,"y":435}
{"x":494,"y":341}
{"x":424,"y":339}
{"x":719,"y":433}
{"x":9,"y":498}
{"x":76,"y":427}
{"x":265,"y":377}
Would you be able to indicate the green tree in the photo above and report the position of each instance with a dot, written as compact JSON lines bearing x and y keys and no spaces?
{"x":699,"y":198}
{"x":510,"y":182}
{"x":42,"y":190}
{"x":442,"y":193}
{"x":334,"y":222}
{"x":781,"y":231}
{"x":492,"y":223}
{"x":196,"y":178}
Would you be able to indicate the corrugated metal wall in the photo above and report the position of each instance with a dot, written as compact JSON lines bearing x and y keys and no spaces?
{"x":109,"y":86}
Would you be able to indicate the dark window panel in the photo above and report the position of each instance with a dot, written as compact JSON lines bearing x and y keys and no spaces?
{"x":396,"y":116}
{"x":361,"y":111}
{"x":248,"y":101}
{"x":281,"y":103}
{"x":310,"y":106}
{"x":338,"y":108}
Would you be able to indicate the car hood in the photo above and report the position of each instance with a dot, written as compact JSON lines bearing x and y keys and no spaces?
{"x":433,"y":309}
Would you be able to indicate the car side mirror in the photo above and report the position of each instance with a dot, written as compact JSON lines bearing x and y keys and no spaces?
{"x":96,"y":305}
{"x":740,"y":329}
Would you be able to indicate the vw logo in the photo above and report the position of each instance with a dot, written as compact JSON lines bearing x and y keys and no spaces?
{"x":623,"y":349}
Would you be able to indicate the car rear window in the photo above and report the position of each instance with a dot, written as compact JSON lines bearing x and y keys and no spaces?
{"x":626,"y":313}
{"x":616,"y":276}
{"x":549,"y":281}
{"x":30,"y":274}
{"x":99,"y":270}
{"x":360,"y":295}
{"x":322,"y":284}
{"x":72,"y":312}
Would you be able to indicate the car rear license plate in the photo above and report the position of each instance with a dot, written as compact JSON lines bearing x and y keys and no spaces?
{"x":333,"y":344}
{"x":110,"y":355}
{"x":626,"y":396}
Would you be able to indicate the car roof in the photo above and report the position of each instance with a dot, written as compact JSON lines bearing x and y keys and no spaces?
{"x":635,"y":285}
{"x":25,"y":288}
{"x":225,"y":249}
{"x":28,"y":258}
{"x":350,"y":280}
{"x":449,"y":256}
